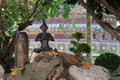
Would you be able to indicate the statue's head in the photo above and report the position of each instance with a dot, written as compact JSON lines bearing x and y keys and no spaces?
{"x":44,"y":26}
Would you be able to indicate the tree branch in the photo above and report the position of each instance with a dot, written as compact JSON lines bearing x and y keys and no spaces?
{"x":110,"y":8}
{"x":22,"y":26}
{"x":26,"y":2}
{"x":90,"y":10}
{"x":36,"y":5}
{"x":104,"y":25}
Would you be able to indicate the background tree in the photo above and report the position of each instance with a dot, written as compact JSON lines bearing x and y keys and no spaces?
{"x":98,"y":8}
{"x":16,"y":15}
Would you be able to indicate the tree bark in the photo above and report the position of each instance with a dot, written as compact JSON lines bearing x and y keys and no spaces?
{"x":1,"y":5}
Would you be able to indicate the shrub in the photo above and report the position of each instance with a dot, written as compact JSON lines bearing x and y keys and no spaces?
{"x":117,"y":72}
{"x":79,"y":48}
{"x":6,"y":61}
{"x":108,"y":60}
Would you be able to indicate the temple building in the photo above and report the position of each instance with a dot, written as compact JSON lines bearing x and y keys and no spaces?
{"x":101,"y":41}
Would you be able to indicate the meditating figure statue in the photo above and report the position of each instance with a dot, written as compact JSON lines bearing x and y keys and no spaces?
{"x":44,"y":38}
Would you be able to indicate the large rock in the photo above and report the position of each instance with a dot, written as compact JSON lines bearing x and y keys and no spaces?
{"x":38,"y":70}
{"x":48,"y":65}
{"x":93,"y":73}
{"x":1,"y":72}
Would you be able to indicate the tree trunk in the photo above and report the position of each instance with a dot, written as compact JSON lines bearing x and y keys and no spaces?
{"x":113,"y":9}
{"x":5,"y":44}
{"x":11,"y":46}
{"x":1,"y":5}
{"x":88,"y":30}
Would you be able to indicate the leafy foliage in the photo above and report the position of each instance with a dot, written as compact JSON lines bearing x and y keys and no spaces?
{"x":19,"y":11}
{"x":62,"y":29}
{"x":66,"y":10}
{"x":77,"y":35}
{"x":74,"y":43}
{"x":117,"y":72}
{"x":118,"y":27}
{"x":6,"y":61}
{"x":79,"y":48}
{"x":97,"y":8}
{"x":71,"y":1}
{"x":110,"y":61}
{"x":15,"y":12}
{"x":73,"y":25}
{"x":18,"y":14}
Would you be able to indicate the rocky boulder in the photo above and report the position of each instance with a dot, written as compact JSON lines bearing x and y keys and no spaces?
{"x":60,"y":66}
{"x":47,"y":66}
{"x":92,"y":73}
{"x":1,"y":72}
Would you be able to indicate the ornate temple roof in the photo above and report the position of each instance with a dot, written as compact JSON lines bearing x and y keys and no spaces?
{"x":78,"y":13}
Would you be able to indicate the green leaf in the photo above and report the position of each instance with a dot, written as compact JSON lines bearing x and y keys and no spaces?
{"x":118,"y":27}
{"x":73,"y":25}
{"x":73,"y":42}
{"x":62,"y":29}
{"x":77,"y":35}
{"x":72,"y":49}
{"x":1,"y":37}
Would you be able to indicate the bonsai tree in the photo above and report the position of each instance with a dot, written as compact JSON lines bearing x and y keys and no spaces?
{"x":77,"y":36}
{"x":79,"y":48}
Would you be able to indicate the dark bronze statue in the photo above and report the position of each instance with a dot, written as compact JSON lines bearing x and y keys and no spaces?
{"x":44,"y":38}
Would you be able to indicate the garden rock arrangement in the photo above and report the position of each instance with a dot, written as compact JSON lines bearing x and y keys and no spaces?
{"x":47,"y":66}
